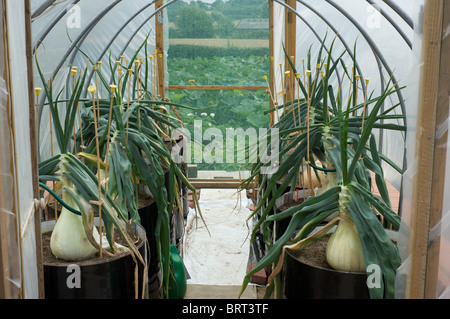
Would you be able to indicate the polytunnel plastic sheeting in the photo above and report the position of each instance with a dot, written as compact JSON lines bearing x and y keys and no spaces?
{"x":8,"y":219}
{"x":67,"y":32}
{"x":383,"y":33}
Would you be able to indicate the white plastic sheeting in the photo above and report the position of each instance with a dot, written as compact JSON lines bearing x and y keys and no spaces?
{"x":8,"y":224}
{"x":69,"y":30}
{"x":17,"y":203}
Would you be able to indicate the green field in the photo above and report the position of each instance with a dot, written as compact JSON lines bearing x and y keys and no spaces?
{"x":221,"y":109}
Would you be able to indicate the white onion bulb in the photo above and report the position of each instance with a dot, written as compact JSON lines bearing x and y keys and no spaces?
{"x":344,"y":249}
{"x":69,"y":241}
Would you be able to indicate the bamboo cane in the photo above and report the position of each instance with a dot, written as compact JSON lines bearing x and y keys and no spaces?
{"x":141,"y":63}
{"x":138,"y":88}
{"x":119,"y":71}
{"x":82,"y":146}
{"x":155,"y":68}
{"x":96,"y":85}
{"x":50,"y":83}
{"x":101,"y":86}
{"x":130,"y":71}
{"x":92,"y":90}
{"x":308,"y":155}
{"x":136,"y":70}
{"x":38,"y":93}
{"x":291,"y":89}
{"x":304,"y":71}
{"x":365,"y":104}
{"x":322,"y":75}
{"x":74,"y":73}
{"x":151,"y":76}
{"x":297,"y":75}
{"x":113,"y":89}
{"x":269,"y":89}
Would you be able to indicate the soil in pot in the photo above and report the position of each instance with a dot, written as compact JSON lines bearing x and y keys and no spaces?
{"x":307,"y":275}
{"x":109,"y":277}
{"x":49,"y":258}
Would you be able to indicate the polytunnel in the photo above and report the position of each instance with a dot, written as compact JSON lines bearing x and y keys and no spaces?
{"x":307,"y":124}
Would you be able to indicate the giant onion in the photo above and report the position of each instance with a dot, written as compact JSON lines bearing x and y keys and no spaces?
{"x":344,"y":250}
{"x":69,"y":240}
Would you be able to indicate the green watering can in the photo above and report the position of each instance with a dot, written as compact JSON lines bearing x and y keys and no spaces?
{"x":178,"y":280}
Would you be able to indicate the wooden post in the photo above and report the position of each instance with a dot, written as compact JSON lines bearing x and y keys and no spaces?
{"x":440,"y":158}
{"x":290,"y":43}
{"x":5,"y":290}
{"x":271,"y":60}
{"x":424,"y":259}
{"x":159,"y":31}
{"x":34,"y":146}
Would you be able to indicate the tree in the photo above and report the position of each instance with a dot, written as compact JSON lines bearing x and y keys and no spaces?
{"x":194,"y":22}
{"x":224,"y":25}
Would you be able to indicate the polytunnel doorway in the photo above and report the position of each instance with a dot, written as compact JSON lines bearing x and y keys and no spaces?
{"x":93,"y":64}
{"x":217,"y":59}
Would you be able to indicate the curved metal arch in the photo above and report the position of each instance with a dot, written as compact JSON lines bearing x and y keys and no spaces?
{"x":140,"y":27}
{"x":393,"y":23}
{"x":51,"y":25}
{"x":400,"y":12}
{"x":89,"y":77}
{"x":379,"y":56}
{"x":318,"y":38}
{"x":347,"y":48}
{"x":375,"y":49}
{"x":42,"y":8}
{"x":81,"y":37}
{"x":349,"y":51}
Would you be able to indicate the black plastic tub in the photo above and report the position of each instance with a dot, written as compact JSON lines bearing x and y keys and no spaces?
{"x":108,"y":279}
{"x":307,"y":281}
{"x":149,"y":215}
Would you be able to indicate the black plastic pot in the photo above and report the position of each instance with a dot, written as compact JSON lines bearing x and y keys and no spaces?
{"x":149,"y":216}
{"x":303,"y":281}
{"x":107,"y":279}
{"x":285,"y":201}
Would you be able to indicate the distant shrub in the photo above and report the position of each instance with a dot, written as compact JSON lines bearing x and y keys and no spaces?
{"x":193,"y":51}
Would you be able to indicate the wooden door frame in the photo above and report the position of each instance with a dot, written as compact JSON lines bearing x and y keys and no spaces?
{"x":429,"y":181}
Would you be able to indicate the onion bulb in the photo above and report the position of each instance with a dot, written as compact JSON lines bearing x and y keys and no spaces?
{"x":69,"y":241}
{"x":344,"y":249}
{"x":328,"y":182}
{"x":316,"y":182}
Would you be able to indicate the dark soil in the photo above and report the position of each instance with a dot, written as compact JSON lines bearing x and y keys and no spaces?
{"x":50,"y":259}
{"x":314,"y":254}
